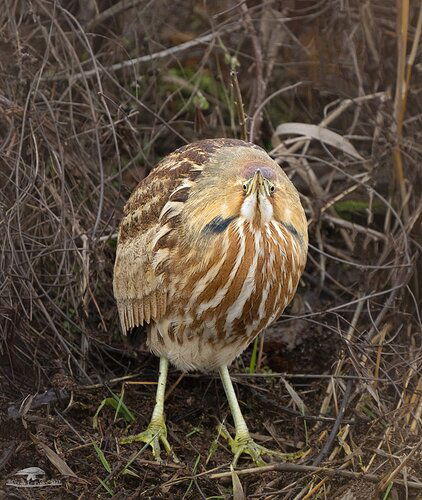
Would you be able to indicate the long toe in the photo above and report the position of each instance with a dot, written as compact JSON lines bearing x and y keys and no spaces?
{"x":247,"y":446}
{"x":153,"y":436}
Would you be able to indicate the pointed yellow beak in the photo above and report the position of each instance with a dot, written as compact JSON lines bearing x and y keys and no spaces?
{"x":256,"y":184}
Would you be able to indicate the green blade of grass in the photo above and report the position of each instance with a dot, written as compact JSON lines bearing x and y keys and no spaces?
{"x":120,"y":407}
{"x":195,"y":466}
{"x":106,"y":487}
{"x":101,"y":456}
{"x":387,"y":491}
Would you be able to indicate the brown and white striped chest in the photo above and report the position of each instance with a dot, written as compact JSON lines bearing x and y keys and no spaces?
{"x":241,"y":283}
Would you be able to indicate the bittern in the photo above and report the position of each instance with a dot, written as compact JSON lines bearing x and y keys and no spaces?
{"x":210,"y":251}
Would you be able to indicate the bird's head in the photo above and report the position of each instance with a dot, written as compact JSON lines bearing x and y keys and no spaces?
{"x":258,"y":186}
{"x":244,"y":183}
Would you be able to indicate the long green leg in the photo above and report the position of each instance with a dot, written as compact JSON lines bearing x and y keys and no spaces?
{"x":243,"y":443}
{"x":156,"y":430}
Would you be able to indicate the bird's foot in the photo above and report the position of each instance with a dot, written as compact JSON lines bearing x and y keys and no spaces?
{"x":244,"y":444}
{"x":155,"y":433}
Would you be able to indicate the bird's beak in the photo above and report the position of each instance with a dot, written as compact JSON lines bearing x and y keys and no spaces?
{"x":257,"y":183}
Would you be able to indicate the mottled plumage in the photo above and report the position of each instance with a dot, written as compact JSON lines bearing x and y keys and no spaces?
{"x":210,"y":251}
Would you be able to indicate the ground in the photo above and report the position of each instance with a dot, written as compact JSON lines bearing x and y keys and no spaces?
{"x":194,"y":408}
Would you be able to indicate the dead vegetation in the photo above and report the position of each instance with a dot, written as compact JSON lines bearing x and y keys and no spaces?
{"x":92,"y":94}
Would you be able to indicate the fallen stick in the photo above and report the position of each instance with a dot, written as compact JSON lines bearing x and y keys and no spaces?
{"x":287,"y":467}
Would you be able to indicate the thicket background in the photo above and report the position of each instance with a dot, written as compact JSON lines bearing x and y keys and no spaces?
{"x":92,"y":95}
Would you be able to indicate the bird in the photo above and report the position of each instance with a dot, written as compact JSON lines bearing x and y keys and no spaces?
{"x":210,"y":251}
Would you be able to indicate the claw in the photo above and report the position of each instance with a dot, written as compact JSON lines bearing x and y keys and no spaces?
{"x":155,"y":433}
{"x":244,"y":444}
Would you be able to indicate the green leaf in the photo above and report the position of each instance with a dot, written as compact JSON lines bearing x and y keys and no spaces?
{"x":387,"y":491}
{"x":347,"y":208}
{"x":200,"y":101}
{"x":106,"y":487}
{"x":130,"y":472}
{"x":101,"y":456}
{"x":195,"y":466}
{"x":120,"y":407}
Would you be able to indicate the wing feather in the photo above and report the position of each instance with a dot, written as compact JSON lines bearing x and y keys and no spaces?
{"x":147,"y":235}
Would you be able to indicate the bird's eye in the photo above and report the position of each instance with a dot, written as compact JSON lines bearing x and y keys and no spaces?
{"x":245,"y":187}
{"x":272,"y":189}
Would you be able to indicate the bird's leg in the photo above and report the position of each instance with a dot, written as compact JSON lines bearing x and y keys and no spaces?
{"x":242,"y":442}
{"x":156,"y":430}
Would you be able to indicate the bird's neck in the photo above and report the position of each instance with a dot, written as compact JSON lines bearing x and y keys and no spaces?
{"x":257,"y":208}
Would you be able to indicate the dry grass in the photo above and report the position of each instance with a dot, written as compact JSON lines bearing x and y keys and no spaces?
{"x":92,"y":94}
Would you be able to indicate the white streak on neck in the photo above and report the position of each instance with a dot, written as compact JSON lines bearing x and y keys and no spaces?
{"x":249,"y":207}
{"x":265,"y":207}
{"x":252,"y":204}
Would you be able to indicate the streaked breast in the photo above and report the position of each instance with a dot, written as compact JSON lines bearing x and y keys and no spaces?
{"x":243,"y":283}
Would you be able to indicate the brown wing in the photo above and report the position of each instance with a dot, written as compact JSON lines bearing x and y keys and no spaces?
{"x":148,"y":233}
{"x":139,"y":284}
